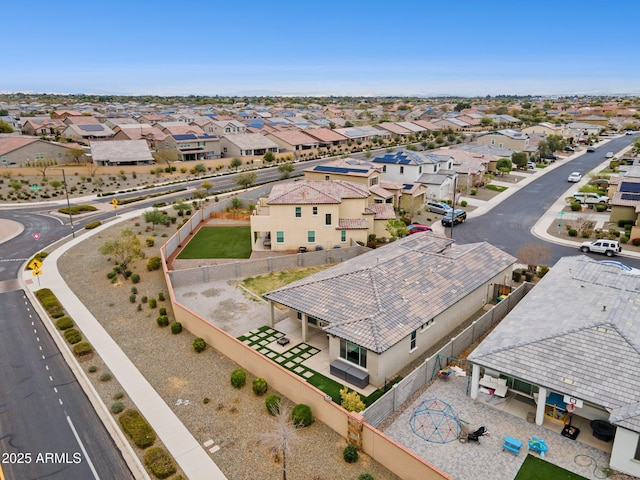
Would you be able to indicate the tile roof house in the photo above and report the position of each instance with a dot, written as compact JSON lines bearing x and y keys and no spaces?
{"x":121,"y":152}
{"x":43,"y":126}
{"x":91,"y":131}
{"x":140,"y":131}
{"x":246,"y":145}
{"x":193,"y":146}
{"x":507,"y":138}
{"x":576,"y":335}
{"x":292,"y":140}
{"x":624,"y":192}
{"x":385,"y":307}
{"x":20,"y":150}
{"x":327,"y":137}
{"x":318,"y":215}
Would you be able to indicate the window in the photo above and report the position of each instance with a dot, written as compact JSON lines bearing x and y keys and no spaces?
{"x":493,"y":141}
{"x":353,"y":353}
{"x":343,"y":236}
{"x":374,"y":181}
{"x":384,"y":168}
{"x":420,"y":169}
{"x":311,"y":236}
{"x":637,"y":454}
{"x":39,"y":156}
{"x":413,"y":341}
{"x":401,"y":170}
{"x":298,"y":212}
{"x":327,"y":219}
{"x":315,"y":211}
{"x":327,"y":177}
{"x":279,"y":237}
{"x":427,"y":324}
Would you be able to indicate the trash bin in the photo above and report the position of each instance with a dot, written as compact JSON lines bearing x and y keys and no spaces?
{"x":531,"y":417}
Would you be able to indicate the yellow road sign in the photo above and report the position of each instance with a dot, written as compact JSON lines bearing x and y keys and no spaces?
{"x":35,"y":264}
{"x":114,"y":202}
{"x":36,"y":272}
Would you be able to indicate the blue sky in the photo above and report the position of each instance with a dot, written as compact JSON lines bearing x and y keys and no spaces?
{"x":209,"y":47}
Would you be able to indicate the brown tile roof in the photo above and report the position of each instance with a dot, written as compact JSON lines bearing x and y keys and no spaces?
{"x":315,"y":192}
{"x":377,"y":299}
{"x":294,"y":137}
{"x":326,"y":135}
{"x":352,"y":224}
{"x":382,"y":211}
{"x":9,"y":144}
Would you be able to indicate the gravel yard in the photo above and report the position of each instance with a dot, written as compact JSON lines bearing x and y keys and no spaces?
{"x":196,"y":386}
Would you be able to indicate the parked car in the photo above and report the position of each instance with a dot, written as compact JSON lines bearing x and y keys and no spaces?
{"x":629,"y":132}
{"x":608,"y":247}
{"x":531,"y":165}
{"x":590,"y":198}
{"x":575,"y":177}
{"x":591,"y":149}
{"x":417,"y":228}
{"x":569,"y":148}
{"x":609,"y":155}
{"x":454,"y":217}
{"x":550,"y":156}
{"x":438,"y":207}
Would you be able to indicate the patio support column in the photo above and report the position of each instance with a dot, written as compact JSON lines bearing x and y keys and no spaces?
{"x":475,"y":379}
{"x":542,"y":397}
{"x":304,"y":326}
{"x":271,"y":318}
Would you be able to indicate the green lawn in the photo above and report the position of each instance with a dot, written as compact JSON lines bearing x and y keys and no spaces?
{"x":218,"y":242}
{"x":535,"y":468}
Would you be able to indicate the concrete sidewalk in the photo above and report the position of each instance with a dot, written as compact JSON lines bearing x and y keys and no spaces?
{"x":185,"y":449}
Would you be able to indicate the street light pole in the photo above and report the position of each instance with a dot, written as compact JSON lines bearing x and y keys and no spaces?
{"x":455,"y":177}
{"x":66,"y":191}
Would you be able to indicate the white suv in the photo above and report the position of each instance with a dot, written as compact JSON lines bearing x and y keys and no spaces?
{"x":608,"y":247}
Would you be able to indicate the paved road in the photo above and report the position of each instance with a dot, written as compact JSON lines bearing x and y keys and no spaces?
{"x":48,"y":429}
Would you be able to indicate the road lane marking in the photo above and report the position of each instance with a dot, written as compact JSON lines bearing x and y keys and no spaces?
{"x":84,"y":451}
{"x":60,"y":401}
{"x":55,"y":389}
{"x":50,"y":378}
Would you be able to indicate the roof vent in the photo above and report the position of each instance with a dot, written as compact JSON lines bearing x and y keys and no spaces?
{"x":604,"y":308}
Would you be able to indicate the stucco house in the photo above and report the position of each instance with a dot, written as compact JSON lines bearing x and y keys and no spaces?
{"x":246,"y":145}
{"x":318,"y":215}
{"x":624,"y":192}
{"x":292,"y":140}
{"x":121,"y":152}
{"x":573,"y":344}
{"x":18,"y":151}
{"x":192,"y":147}
{"x":386,"y":307}
{"x":86,"y":132}
{"x":546,"y":128}
{"x":326,"y":137}
{"x":43,"y":126}
{"x":507,"y":138}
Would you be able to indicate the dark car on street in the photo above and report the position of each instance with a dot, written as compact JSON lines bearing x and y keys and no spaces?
{"x":455,"y":217}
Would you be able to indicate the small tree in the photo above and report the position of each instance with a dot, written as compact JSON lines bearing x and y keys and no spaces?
{"x":504,"y":165}
{"x":282,"y":436}
{"x":76,"y":153}
{"x":246,"y":179}
{"x":42,"y":165}
{"x":235,"y":163}
{"x":269,"y":157}
{"x":155,"y":217}
{"x":285,"y":169}
{"x":533,"y":254}
{"x":166,"y":155}
{"x":206,"y":185}
{"x":396,"y":228}
{"x":180,"y":206}
{"x":519,"y":159}
{"x":123,"y":249}
{"x":200,"y":169}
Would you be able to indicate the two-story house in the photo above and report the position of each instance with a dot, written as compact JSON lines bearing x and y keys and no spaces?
{"x":193,"y":147}
{"x":507,"y":138}
{"x":314,"y":215}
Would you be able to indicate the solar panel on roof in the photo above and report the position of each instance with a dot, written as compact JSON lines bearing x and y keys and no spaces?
{"x":325,"y":168}
{"x":91,"y":128}
{"x":404,"y":161}
{"x":630,"y":187}
{"x":186,"y":136}
{"x":630,"y":196}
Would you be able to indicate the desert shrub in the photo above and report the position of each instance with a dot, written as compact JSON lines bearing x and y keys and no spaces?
{"x":301,"y":415}
{"x":63,"y":323}
{"x":82,"y":349}
{"x":575,"y":207}
{"x":118,"y":395}
{"x":153,"y":303}
{"x":117,"y":407}
{"x":150,"y":241}
{"x":144,"y":299}
{"x":542,"y":270}
{"x":365,"y":476}
{"x":516,"y":276}
{"x":528,"y":276}
{"x":154,"y":263}
{"x":635,"y":242}
{"x":624,"y":223}
{"x":238,"y":378}
{"x":176,"y":328}
{"x":601,"y":207}
{"x":134,"y":290}
{"x":137,"y":428}
{"x":159,"y":462}
{"x":92,"y":369}
{"x":105,"y":377}
{"x":161,"y":297}
{"x":350,"y":454}
{"x":474,"y":191}
{"x":272,"y":402}
{"x":92,"y":225}
{"x":624,"y":239}
{"x":350,"y":400}
{"x":199,"y":345}
{"x":135,"y":278}
{"x":162,"y":320}
{"x":573,"y":232}
{"x":50,"y":302}
{"x":132,"y":298}
{"x":162,"y":310}
{"x":72,"y":336}
{"x":614,"y":232}
{"x":112,"y":275}
{"x":463,"y":203}
{"x":259,"y":386}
